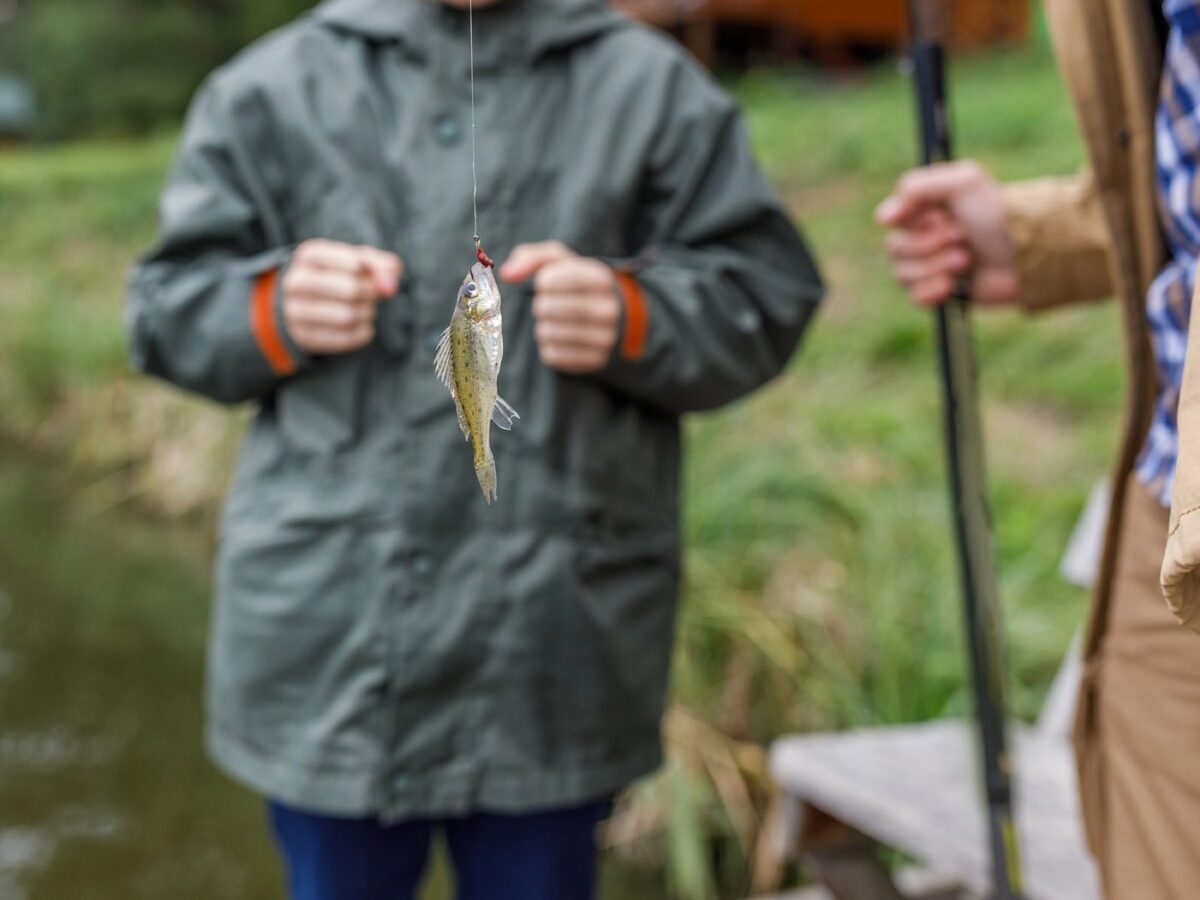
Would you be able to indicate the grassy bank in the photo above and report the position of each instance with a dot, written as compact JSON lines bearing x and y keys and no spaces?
{"x":820,"y":579}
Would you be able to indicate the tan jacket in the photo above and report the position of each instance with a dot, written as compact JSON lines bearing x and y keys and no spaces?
{"x":1066,"y":227}
{"x":1097,"y":234}
{"x":1181,"y":562}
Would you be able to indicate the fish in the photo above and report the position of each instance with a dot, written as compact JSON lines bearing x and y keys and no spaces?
{"x":468,"y":363}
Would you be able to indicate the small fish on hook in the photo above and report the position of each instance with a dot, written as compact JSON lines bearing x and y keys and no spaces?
{"x":472,"y":346}
{"x":468,"y":363}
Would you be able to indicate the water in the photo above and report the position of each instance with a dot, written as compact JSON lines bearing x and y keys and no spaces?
{"x":104,"y":788}
{"x":105,"y":792}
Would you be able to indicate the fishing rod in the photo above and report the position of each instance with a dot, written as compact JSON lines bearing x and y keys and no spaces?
{"x":968,"y":479}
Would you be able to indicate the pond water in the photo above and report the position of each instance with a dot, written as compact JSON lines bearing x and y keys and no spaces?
{"x":105,"y":792}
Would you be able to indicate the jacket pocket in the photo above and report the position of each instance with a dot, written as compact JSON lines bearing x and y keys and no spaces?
{"x":609,"y":642}
{"x":296,"y":655}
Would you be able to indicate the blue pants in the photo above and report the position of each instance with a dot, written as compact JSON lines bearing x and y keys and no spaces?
{"x":537,"y":856}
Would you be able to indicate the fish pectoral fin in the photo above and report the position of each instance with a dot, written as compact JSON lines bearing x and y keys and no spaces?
{"x":442,"y":363}
{"x":503,"y":415}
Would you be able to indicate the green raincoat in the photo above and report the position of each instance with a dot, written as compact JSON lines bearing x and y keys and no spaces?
{"x":383,"y":642}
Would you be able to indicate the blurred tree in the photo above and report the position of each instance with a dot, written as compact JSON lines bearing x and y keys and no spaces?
{"x":11,"y":44}
{"x":130,"y":66}
{"x":252,"y":19}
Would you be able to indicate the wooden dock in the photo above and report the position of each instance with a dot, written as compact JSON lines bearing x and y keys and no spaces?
{"x":914,"y":788}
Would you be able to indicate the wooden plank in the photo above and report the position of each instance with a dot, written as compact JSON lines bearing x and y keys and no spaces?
{"x":843,"y":859}
{"x":914,"y":884}
{"x":1058,"y":709}
{"x":914,"y":788}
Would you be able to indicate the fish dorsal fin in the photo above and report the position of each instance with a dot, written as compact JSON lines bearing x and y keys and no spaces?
{"x":441,"y":361}
{"x":503,"y":415}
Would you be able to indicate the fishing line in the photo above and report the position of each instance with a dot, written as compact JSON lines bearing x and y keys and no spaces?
{"x":479,"y":254}
{"x":474,"y":176}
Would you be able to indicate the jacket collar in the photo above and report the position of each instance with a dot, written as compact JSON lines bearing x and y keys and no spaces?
{"x":545,"y":26}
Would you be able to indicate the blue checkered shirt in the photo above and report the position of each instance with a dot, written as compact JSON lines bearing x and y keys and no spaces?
{"x":1169,"y":300}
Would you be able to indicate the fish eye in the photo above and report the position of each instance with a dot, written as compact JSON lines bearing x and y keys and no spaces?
{"x":472,"y":289}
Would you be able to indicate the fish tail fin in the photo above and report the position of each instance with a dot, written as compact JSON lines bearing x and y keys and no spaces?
{"x":485,"y":471}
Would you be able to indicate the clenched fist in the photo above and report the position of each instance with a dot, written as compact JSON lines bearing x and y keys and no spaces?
{"x":330,"y":293}
{"x":576,"y":307}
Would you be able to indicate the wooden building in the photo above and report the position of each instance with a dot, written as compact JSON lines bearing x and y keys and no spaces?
{"x":828,"y":28}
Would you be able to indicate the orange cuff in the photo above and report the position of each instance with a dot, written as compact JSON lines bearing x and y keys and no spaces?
{"x":637,"y":317}
{"x":265,"y":327}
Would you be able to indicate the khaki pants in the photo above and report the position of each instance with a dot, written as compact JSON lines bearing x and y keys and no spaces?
{"x":1140,"y":750}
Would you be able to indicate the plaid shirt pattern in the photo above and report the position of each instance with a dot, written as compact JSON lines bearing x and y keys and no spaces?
{"x":1169,"y":300}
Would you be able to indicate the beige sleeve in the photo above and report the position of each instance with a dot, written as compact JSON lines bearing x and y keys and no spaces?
{"x":1061,"y":238}
{"x":1181,"y":562}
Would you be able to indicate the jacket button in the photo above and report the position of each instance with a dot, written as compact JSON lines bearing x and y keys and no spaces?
{"x":422,"y":565}
{"x":446,"y":130}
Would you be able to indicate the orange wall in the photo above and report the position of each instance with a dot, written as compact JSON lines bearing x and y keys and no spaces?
{"x":832,"y":22}
{"x":882,"y":21}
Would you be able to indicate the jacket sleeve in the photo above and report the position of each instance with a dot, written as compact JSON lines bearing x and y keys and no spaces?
{"x":728,"y":284}
{"x":1181,"y":562}
{"x":203,"y":306}
{"x":1061,"y":239}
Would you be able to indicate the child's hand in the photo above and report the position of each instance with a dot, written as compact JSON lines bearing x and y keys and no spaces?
{"x":575,"y":305}
{"x":330,"y":291}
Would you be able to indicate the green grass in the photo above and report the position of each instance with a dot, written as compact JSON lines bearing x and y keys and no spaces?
{"x":820,"y":503}
{"x":71,"y":223}
{"x":821,"y":589}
